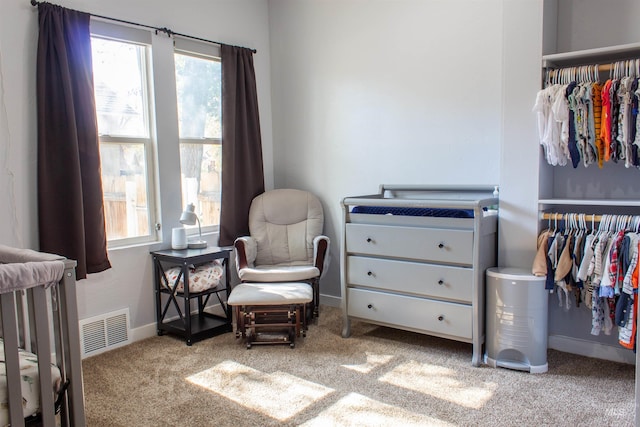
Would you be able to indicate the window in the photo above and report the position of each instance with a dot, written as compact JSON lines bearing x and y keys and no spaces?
{"x":198,"y":86}
{"x":121,"y":84}
{"x":140,"y":139}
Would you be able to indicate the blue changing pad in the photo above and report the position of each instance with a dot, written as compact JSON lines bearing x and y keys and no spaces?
{"x":437,"y":212}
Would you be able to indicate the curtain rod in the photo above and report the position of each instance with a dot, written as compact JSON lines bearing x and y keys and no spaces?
{"x":165,"y":30}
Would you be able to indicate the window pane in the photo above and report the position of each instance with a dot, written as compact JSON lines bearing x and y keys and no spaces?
{"x":198,"y":82}
{"x":200,"y":165}
{"x":125,"y":190}
{"x":118,"y":74}
{"x":198,"y":85}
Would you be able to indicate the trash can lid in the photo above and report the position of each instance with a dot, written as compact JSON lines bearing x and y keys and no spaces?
{"x":512,"y":273}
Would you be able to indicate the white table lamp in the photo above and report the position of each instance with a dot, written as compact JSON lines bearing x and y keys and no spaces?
{"x":189,"y":217}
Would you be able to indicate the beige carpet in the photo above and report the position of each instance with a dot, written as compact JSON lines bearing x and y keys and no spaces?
{"x":378,"y":377}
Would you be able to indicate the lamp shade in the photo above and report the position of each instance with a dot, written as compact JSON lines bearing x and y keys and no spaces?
{"x":189,"y":216}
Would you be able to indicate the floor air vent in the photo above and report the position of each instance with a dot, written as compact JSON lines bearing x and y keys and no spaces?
{"x":104,"y":332}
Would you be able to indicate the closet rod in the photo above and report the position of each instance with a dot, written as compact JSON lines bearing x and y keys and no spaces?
{"x":556,"y":216}
{"x":601,"y":68}
{"x":561,"y":216}
{"x":610,"y":66}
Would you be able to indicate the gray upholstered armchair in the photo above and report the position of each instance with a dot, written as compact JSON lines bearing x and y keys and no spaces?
{"x":286,"y":242}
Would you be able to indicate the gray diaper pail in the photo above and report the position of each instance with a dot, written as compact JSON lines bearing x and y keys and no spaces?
{"x":516,"y":320}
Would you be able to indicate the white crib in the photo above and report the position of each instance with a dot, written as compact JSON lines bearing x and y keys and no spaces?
{"x":38,"y":313}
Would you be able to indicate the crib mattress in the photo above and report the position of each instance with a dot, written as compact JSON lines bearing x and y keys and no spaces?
{"x":29,"y":381}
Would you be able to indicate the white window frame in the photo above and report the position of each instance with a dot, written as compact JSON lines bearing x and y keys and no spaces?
{"x":125,"y":34}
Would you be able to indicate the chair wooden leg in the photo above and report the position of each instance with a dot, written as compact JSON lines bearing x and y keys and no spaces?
{"x":316,"y":297}
{"x":297,"y":319}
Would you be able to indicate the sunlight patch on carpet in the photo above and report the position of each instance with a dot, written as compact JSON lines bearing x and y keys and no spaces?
{"x":278,"y":395}
{"x":373,"y":361}
{"x":442,"y":383}
{"x":357,"y":410}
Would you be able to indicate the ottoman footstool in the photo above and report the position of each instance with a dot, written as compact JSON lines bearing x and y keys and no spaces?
{"x":271,"y":313}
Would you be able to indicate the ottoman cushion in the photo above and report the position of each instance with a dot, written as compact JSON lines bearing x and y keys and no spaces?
{"x":271,"y":294}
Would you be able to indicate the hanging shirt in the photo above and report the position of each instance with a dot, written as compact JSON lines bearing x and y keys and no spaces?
{"x":587,"y":258}
{"x":548,"y":127}
{"x":623,"y":120}
{"x":605,"y":126}
{"x":589,"y":155}
{"x":636,"y":137}
{"x":572,"y":142}
{"x":596,"y":93}
{"x":633,"y":123}
{"x":560,"y":111}
{"x":614,"y":148}
{"x":607,"y":279}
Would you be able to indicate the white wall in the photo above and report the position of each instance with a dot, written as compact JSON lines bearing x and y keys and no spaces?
{"x":589,"y":24}
{"x":129,"y":282}
{"x":522,"y":44}
{"x":367,"y":92}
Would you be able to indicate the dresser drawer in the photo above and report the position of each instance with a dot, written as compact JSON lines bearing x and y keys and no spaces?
{"x":430,"y":280}
{"x":431,"y":244}
{"x":418,"y":314}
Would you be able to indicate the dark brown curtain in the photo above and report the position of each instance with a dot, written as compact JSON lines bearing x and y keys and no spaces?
{"x":242,"y":170}
{"x":70,"y":205}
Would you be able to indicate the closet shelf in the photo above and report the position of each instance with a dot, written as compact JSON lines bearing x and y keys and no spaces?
{"x":581,"y":57}
{"x":590,"y":202}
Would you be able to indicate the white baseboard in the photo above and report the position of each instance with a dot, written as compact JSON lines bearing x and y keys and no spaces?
{"x":151,"y":330}
{"x":143,"y":332}
{"x":591,"y":349}
{"x":330,"y":300}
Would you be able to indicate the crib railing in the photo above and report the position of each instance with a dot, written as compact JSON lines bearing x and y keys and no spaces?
{"x":47,"y":322}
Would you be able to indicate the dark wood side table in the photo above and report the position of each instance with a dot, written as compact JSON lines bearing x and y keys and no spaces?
{"x":200,"y":325}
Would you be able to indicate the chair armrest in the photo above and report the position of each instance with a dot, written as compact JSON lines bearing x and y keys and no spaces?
{"x":245,"y":249}
{"x":321,"y":253}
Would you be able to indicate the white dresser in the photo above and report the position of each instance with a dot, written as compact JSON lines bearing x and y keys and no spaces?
{"x":419,"y":273}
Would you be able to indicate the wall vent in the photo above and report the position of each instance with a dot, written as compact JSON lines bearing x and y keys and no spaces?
{"x":105,"y":332}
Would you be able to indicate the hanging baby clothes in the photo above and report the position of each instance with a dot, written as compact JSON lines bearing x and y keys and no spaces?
{"x":582,"y":121}
{"x":625,"y":310}
{"x":598,"y":267}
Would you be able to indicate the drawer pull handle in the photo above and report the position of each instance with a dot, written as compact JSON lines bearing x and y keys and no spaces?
{"x":441,"y":245}
{"x":441,"y":318}
{"x":370,"y":306}
{"x":440,"y":282}
{"x":369,"y":273}
{"x":369,"y":240}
